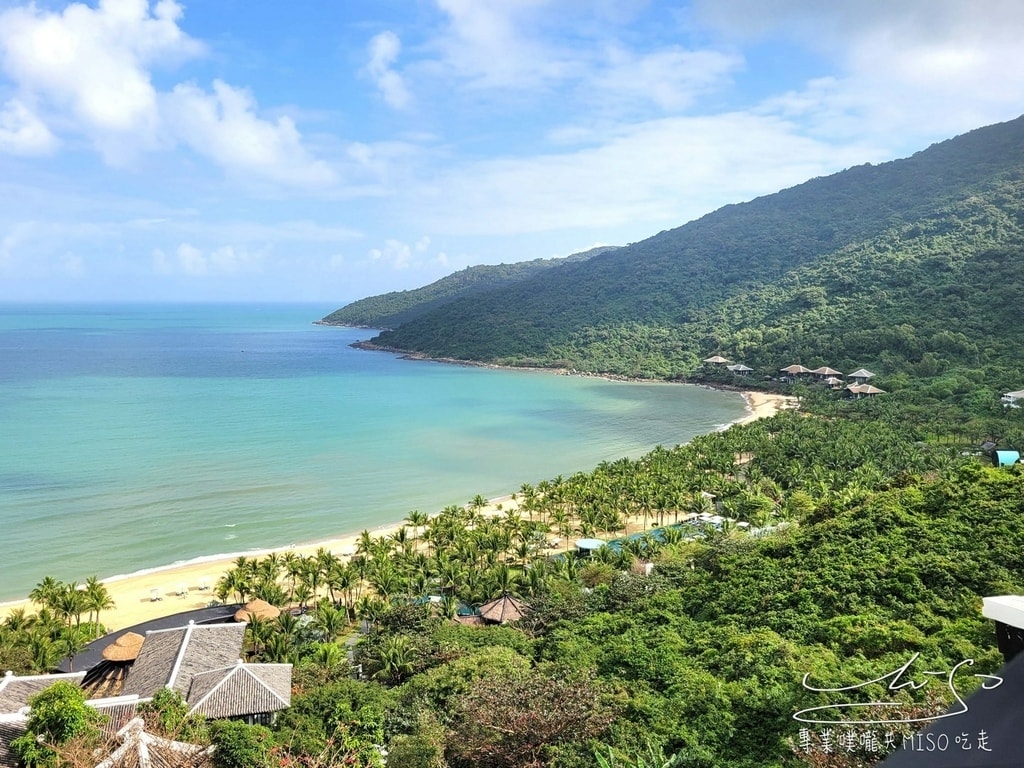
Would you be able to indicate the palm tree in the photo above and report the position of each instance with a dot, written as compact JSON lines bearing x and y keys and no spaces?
{"x":97,"y":599}
{"x":43,"y":651}
{"x":259,"y":631}
{"x":287,"y":625}
{"x":477,"y":504}
{"x":280,"y":648}
{"x":293,"y":570}
{"x":369,"y":608}
{"x":19,"y":620}
{"x":71,"y":642}
{"x":70,"y":603}
{"x":303,"y":594}
{"x":385,"y":580}
{"x":44,"y":594}
{"x":397,"y":659}
{"x":561,"y":518}
{"x":234,"y":582}
{"x":505,"y":581}
{"x":329,"y":621}
{"x":328,"y":655}
{"x":365,"y":544}
{"x":416,"y":520}
{"x":449,"y":607}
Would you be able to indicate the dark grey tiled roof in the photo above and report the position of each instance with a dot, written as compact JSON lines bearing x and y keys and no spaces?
{"x":118,"y":710}
{"x":171,"y":658}
{"x":15,"y":691}
{"x":92,"y":654}
{"x":8,"y":732}
{"x":210,"y":647}
{"x":242,"y":689}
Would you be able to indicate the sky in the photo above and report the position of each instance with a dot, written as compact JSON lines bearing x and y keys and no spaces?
{"x":259,"y":150}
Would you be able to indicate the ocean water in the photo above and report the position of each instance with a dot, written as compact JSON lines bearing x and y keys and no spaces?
{"x":140,"y":436}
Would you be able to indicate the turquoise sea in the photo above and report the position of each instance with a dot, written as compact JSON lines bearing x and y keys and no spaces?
{"x":139,"y":436}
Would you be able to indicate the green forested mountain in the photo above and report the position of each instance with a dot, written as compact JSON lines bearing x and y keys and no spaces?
{"x":391,"y":310}
{"x":909,"y":266}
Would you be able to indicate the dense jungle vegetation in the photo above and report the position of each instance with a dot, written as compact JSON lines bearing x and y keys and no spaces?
{"x":390,"y":310}
{"x":908,"y":267}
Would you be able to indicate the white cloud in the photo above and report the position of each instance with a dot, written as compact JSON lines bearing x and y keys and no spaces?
{"x":394,"y":253}
{"x":90,"y":69}
{"x":401,"y":256}
{"x":497,"y":44}
{"x":23,"y":133}
{"x":670,"y":78}
{"x":92,"y":63}
{"x":384,"y":49}
{"x":920,"y":69}
{"x":190,"y":260}
{"x":649,"y":174}
{"x":223,"y":126}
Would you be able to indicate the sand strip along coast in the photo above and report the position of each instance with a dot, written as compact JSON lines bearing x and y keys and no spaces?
{"x":190,"y":585}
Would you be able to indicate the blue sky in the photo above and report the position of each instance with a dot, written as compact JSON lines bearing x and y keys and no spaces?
{"x":323,"y":151}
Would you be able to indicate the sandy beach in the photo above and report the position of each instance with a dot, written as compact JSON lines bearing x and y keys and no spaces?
{"x":762,"y":405}
{"x":157,"y":592}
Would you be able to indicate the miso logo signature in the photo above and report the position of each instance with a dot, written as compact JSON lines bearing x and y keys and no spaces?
{"x":897,"y":679}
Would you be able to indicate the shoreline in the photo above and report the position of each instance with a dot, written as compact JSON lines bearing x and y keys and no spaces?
{"x":159,"y":591}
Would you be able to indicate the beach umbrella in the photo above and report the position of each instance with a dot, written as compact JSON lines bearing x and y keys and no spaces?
{"x":124,"y":648}
{"x":257,"y":609}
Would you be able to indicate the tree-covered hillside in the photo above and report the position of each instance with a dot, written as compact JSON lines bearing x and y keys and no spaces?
{"x":391,"y":310}
{"x":908,"y":266}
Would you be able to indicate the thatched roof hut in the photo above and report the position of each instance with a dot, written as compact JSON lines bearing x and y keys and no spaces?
{"x":124,"y":648}
{"x":257,"y":609}
{"x":504,"y":609}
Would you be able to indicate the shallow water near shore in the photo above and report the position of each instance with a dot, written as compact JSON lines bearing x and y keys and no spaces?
{"x":139,"y":436}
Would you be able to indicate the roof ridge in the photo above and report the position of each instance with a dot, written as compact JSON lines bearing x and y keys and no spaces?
{"x":209,"y":693}
{"x":180,"y":658}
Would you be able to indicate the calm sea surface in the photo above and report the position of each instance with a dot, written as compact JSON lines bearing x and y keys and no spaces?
{"x":133,"y":437}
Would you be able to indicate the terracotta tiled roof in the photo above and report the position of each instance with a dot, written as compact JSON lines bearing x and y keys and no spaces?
{"x":15,"y":691}
{"x":171,"y":658}
{"x":241,"y":689}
